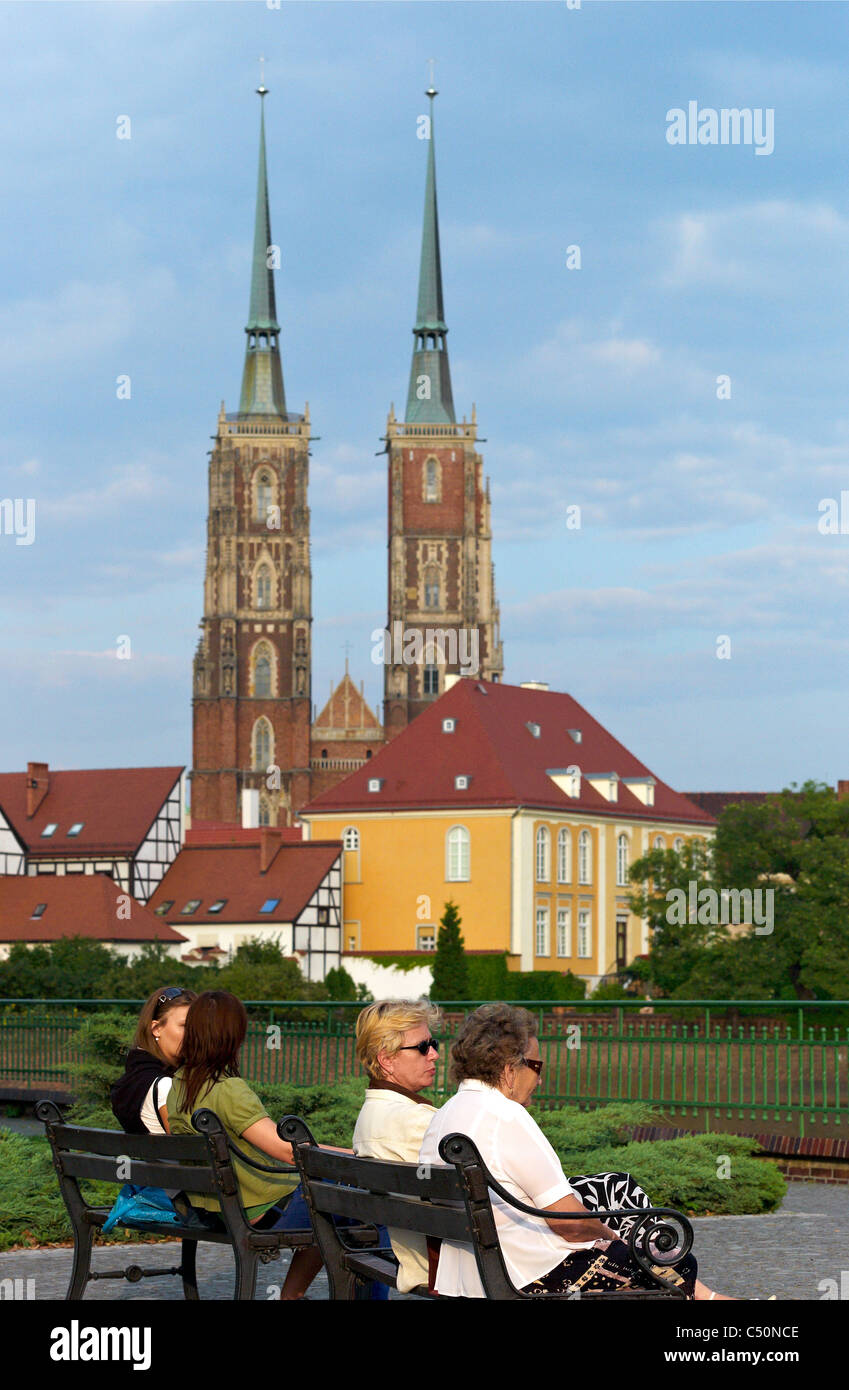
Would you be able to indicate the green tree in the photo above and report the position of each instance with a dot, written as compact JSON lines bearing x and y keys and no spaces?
{"x":74,"y":967}
{"x":450,"y":970}
{"x":676,"y":948}
{"x":259,"y":970}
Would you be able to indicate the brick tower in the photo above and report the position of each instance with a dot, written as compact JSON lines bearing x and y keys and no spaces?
{"x":252,"y":671}
{"x":443,"y":615}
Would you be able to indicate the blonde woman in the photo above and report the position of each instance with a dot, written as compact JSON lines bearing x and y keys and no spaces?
{"x":396,"y":1046}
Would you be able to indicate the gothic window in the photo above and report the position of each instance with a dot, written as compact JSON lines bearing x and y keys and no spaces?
{"x":659,"y":842}
{"x":264,"y":811}
{"x":431,"y":480}
{"x":431,"y":588}
{"x":263,"y":495}
{"x":430,"y":680}
{"x":262,"y":745}
{"x":263,"y":587}
{"x":351,"y":838}
{"x":262,"y":670}
{"x":300,"y":642}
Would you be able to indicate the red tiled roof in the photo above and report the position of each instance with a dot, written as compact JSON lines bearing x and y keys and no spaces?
{"x":222,"y":833}
{"x":715,"y":802}
{"x":77,"y":905}
{"x":117,"y":806}
{"x":212,"y":872}
{"x":507,"y":763}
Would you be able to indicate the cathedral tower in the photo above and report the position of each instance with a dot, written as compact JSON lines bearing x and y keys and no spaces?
{"x":443,"y":615}
{"x":251,"y":697}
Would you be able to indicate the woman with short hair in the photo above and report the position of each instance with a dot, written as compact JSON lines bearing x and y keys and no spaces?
{"x":396,"y":1046}
{"x":496,"y":1060}
{"x":139,"y":1097}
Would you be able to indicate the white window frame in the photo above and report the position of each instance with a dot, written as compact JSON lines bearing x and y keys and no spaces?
{"x":564,"y":855}
{"x":542,"y":933}
{"x":542,"y":857}
{"x":623,"y":848}
{"x":458,"y":854}
{"x":350,"y":838}
{"x":564,"y":932}
{"x":424,"y":931}
{"x":585,"y":933}
{"x":585,"y":858}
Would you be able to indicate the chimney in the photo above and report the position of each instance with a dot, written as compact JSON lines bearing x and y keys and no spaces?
{"x":842,"y":791}
{"x":38,"y":782}
{"x":270,"y":840}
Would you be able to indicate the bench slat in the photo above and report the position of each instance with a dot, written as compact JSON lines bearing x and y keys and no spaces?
{"x":408,"y":1213}
{"x":181,"y":1147}
{"x":170,"y":1175}
{"x":378,"y":1175}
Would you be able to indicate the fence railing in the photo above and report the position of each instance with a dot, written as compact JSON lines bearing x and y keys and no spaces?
{"x":722,"y":1059}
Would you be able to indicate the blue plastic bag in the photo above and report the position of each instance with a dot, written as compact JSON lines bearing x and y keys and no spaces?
{"x":141,"y":1206}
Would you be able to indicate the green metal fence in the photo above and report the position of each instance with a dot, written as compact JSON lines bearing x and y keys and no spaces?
{"x":723,"y":1059}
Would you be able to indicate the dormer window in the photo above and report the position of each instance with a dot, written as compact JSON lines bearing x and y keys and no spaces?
{"x":462,"y":782}
{"x":575,"y":734}
{"x":269,"y":904}
{"x":449,"y":725}
{"x":533,"y":729}
{"x":164,"y":907}
{"x":76,"y":828}
{"x":217,"y":905}
{"x":375,"y":783}
{"x":49,"y":830}
{"x":191,"y":906}
{"x":39,"y":910}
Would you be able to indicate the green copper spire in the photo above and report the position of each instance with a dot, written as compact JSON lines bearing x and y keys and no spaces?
{"x":262,"y":379}
{"x":429,"y":399}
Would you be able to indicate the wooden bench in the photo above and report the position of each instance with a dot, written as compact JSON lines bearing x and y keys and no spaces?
{"x":196,"y":1164}
{"x":451,"y":1203}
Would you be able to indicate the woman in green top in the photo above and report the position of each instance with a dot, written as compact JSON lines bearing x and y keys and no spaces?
{"x":209,"y":1077}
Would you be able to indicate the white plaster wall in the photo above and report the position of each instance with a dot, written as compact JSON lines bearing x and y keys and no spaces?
{"x":387,"y":982}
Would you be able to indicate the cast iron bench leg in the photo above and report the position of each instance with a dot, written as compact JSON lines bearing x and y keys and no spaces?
{"x":83,"y":1240}
{"x":188,"y":1255}
{"x":246,"y":1270}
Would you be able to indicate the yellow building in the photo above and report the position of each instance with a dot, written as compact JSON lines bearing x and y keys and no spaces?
{"x":518,"y":805}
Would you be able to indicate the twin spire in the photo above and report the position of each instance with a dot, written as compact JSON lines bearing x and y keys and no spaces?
{"x":429,"y":398}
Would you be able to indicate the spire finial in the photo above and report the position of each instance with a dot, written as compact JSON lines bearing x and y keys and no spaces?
{"x":262,"y":90}
{"x":431,"y":91}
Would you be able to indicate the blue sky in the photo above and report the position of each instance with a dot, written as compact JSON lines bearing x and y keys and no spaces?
{"x":594,"y":386}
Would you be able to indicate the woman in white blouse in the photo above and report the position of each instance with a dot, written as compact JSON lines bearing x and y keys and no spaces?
{"x":496,"y":1060}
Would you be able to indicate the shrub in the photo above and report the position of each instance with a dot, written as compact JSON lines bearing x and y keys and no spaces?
{"x":450,"y":972}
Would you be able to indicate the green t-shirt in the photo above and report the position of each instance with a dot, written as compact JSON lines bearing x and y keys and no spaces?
{"x":237,"y":1107}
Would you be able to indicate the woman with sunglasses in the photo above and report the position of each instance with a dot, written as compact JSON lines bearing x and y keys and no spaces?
{"x":395,"y":1044}
{"x":496,"y":1059}
{"x":139,"y":1097}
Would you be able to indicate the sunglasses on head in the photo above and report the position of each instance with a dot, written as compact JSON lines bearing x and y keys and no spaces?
{"x":423,"y":1047}
{"x":534,"y":1063}
{"x":173,"y":992}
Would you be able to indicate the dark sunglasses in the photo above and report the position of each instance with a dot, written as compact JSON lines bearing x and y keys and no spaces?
{"x":173,"y":992}
{"x":423,"y":1047}
{"x":534,"y":1064}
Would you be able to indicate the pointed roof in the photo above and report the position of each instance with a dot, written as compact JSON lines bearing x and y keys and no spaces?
{"x":346,"y":711}
{"x":262,"y":380}
{"x":429,"y":398}
{"x":508,"y":741}
{"x":114,"y":806}
{"x":232,"y":874}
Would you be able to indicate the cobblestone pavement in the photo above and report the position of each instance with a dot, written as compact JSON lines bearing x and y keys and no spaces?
{"x":787,"y":1253}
